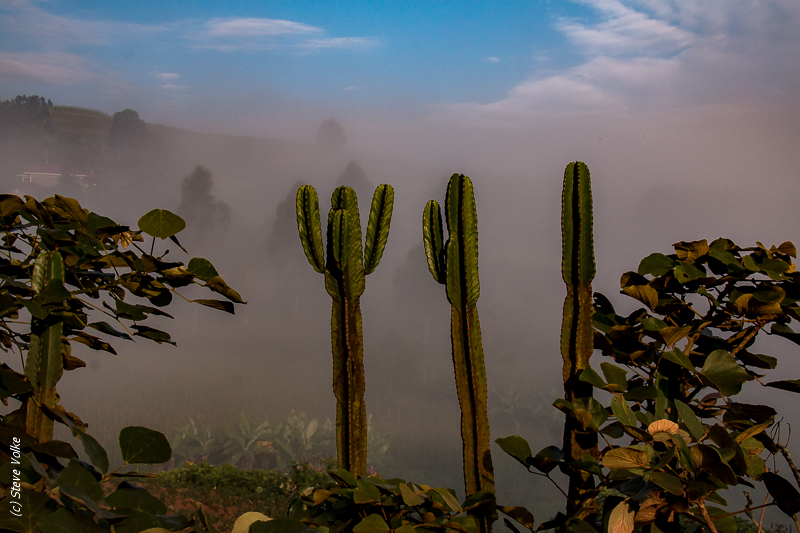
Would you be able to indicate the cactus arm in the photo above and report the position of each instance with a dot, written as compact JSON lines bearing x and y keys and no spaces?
{"x":44,"y":364}
{"x":308,"y":225}
{"x":577,"y":343}
{"x":577,"y":269}
{"x":462,"y":220}
{"x":341,"y":238}
{"x":433,"y":240}
{"x":345,"y":198}
{"x":380,"y":216}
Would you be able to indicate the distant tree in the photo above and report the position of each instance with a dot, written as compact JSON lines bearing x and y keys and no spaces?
{"x":331,"y":135}
{"x":127,"y":129}
{"x":26,"y":132}
{"x":201,"y":209}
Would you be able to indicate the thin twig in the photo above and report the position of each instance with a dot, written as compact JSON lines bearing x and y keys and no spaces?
{"x":706,"y":516}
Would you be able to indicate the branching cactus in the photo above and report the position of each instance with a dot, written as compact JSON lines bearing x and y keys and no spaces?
{"x":578,"y":270}
{"x":344,"y":272}
{"x":454,"y":263}
{"x":45,"y":362}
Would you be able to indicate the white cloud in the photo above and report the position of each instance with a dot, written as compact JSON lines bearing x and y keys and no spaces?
{"x":662,"y":54}
{"x":492,"y":59}
{"x":337,"y":42}
{"x":243,"y":27}
{"x":166,"y":76}
{"x":350,"y":88}
{"x":52,"y":68}
{"x":24,"y":18}
{"x":625,"y":31}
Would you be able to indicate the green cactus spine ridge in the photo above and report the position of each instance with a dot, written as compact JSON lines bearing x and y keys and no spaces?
{"x":454,"y":263}
{"x":577,"y":344}
{"x":344,"y":269}
{"x":44,"y":363}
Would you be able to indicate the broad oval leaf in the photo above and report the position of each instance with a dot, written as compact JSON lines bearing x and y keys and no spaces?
{"x":140,"y":445}
{"x":202,"y":268}
{"x":725,"y":373}
{"x":161,"y":223}
{"x":373,"y":523}
{"x":625,"y":459}
{"x":786,"y":496}
{"x":516,"y":447}
{"x":621,"y":519}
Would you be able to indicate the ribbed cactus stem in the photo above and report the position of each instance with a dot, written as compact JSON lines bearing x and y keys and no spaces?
{"x":455,"y":264}
{"x":44,"y":363}
{"x":578,"y":270}
{"x":344,"y":273}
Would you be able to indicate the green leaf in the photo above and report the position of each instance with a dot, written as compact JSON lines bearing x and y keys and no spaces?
{"x":137,"y":499}
{"x":105,"y":327}
{"x":373,"y":523}
{"x":679,"y":358}
{"x":686,"y":272}
{"x":477,"y":499}
{"x":202,"y":268}
{"x":786,"y":496}
{"x":63,"y":521}
{"x":590,"y":376}
{"x":161,"y":223}
{"x":96,"y":453}
{"x":366,"y":492}
{"x":626,"y":458}
{"x":140,"y":445}
{"x":547,"y":459}
{"x":409,"y":496}
{"x":280,"y":525}
{"x":616,"y":377}
{"x":449,"y":498}
{"x":785,"y":332}
{"x":622,"y":411}
{"x":656,"y":265}
{"x":668,"y":482}
{"x":792,"y":385}
{"x":726,"y":375}
{"x":690,"y":420}
{"x":516,"y":447}
{"x":220,"y":305}
{"x":77,"y":476}
{"x":153,"y":334}
{"x":644,"y":293}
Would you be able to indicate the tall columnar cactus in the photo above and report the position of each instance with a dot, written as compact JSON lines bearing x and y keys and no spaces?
{"x":344,"y":272}
{"x":44,"y":363}
{"x":578,"y":270}
{"x":455,"y":264}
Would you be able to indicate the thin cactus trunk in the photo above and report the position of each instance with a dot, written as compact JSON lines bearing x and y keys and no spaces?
{"x":578,"y":270}
{"x":344,"y":273}
{"x":44,"y":364}
{"x":455,"y":264}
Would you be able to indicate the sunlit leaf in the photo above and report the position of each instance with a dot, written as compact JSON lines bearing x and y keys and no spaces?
{"x":140,"y":445}
{"x":161,"y":223}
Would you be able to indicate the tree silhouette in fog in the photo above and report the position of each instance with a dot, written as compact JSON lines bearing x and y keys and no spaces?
{"x":127,"y":129}
{"x":205,"y":215}
{"x":331,"y":135}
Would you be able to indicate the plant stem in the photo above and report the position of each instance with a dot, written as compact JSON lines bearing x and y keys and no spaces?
{"x":706,"y":516}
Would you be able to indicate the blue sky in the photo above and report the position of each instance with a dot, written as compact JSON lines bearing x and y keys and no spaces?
{"x":190,"y":63}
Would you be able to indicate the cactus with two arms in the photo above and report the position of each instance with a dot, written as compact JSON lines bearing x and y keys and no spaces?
{"x":454,"y":263}
{"x":344,"y":269}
